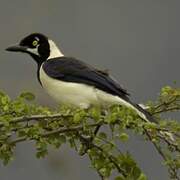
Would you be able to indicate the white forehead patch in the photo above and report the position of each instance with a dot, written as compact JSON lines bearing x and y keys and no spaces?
{"x":54,"y":50}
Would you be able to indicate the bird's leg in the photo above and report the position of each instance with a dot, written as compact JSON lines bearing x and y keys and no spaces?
{"x":87,"y":140}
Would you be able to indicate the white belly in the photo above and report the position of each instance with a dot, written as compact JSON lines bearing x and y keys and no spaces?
{"x":77,"y":94}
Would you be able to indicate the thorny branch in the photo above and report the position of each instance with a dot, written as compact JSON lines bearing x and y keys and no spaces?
{"x":58,"y":131}
{"x":37,"y":118}
{"x":173,"y":170}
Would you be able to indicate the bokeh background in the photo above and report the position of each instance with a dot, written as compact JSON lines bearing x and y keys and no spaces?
{"x":138,"y":41}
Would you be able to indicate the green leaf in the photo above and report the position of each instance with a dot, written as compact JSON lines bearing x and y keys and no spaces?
{"x":77,"y":118}
{"x":119,"y":178}
{"x":41,"y":154}
{"x":105,"y":171}
{"x":102,"y":135}
{"x":27,"y":96}
{"x":71,"y":142}
{"x":5,"y":100}
{"x":107,"y":147}
{"x":41,"y":146}
{"x":124,"y":137}
{"x":142,"y":177}
{"x":95,"y":113}
{"x":6,"y":153}
{"x":62,"y":139}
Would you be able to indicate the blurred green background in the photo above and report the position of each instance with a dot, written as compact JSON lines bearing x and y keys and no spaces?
{"x":138,"y":41}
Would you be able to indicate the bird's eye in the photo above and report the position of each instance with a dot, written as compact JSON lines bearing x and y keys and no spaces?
{"x":35,"y":43}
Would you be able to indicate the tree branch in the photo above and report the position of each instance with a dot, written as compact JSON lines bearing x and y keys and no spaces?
{"x":58,"y":131}
{"x":173,"y":170}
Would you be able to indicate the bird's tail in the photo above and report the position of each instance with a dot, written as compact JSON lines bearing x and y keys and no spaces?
{"x":142,"y":112}
{"x":145,"y":115}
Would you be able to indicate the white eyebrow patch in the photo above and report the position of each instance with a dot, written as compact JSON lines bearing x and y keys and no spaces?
{"x":37,"y":39}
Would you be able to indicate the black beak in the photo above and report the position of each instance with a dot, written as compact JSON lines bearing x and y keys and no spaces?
{"x":17,"y":48}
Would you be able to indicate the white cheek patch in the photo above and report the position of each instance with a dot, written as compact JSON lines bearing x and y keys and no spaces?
{"x":54,"y":50}
{"x":33,"y":51}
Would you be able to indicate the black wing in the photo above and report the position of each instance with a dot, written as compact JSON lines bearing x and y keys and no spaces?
{"x":72,"y":70}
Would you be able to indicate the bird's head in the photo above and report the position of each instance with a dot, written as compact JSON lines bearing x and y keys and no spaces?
{"x":38,"y":46}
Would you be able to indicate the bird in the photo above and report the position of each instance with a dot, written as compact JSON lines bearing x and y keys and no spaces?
{"x":71,"y":81}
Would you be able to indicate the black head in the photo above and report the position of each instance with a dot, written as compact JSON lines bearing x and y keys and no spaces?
{"x":36,"y":44}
